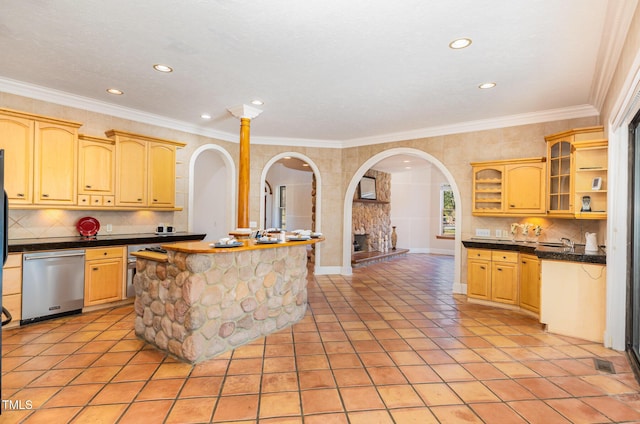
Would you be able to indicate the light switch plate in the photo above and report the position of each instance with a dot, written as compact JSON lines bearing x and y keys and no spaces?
{"x":483,"y":232}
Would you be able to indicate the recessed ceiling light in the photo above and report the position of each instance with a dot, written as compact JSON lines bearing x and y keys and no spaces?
{"x":115,"y":91}
{"x":162,"y":68}
{"x":287,"y":157}
{"x":460,"y":43}
{"x":305,"y":164}
{"x":487,"y":85}
{"x":406,"y":161}
{"x":205,"y":116}
{"x":407,"y":167}
{"x":257,"y":102}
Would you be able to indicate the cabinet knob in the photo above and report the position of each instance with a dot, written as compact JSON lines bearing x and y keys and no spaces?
{"x":512,"y":206}
{"x":499,"y":269}
{"x":94,"y":269}
{"x":482,"y":267}
{"x":139,"y":200}
{"x":20,"y":195}
{"x":84,"y":200}
{"x":87,"y":186}
{"x":45,"y":195}
{"x":155,"y":200}
{"x":524,"y":262}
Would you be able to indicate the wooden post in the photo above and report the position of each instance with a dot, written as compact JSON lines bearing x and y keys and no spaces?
{"x":245,"y":114}
{"x":244,"y":174}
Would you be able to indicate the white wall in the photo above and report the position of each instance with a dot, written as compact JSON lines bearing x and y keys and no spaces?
{"x":299,"y":205}
{"x":210,"y":196}
{"x":415,"y":210}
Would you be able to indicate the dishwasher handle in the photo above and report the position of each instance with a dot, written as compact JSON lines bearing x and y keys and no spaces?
{"x":53,"y":256}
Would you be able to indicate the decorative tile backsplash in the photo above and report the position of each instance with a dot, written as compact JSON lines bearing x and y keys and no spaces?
{"x":26,"y":223}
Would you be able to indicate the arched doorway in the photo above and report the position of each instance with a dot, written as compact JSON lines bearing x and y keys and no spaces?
{"x":353,"y":184}
{"x":308,"y":193}
{"x":212,"y":191}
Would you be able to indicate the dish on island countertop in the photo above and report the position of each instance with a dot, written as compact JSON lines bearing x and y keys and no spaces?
{"x":226,"y":245}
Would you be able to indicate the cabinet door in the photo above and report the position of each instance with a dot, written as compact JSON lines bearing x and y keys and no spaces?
{"x":131,"y":174}
{"x":103,"y":281}
{"x":560,"y":183}
{"x":96,"y":168}
{"x":504,"y":282}
{"x":56,"y":157}
{"x":526,"y":188}
{"x":479,"y":278}
{"x":16,"y":138}
{"x":162,"y":175}
{"x":530,"y":283}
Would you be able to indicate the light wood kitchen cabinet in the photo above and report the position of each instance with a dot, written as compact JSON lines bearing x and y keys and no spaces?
{"x":40,"y":158}
{"x":492,"y":275}
{"x":525,"y":188}
{"x":145,"y":170}
{"x":55,"y":164}
{"x":504,"y":277}
{"x":162,"y":175}
{"x":479,"y":273}
{"x":16,"y":138}
{"x":509,"y":187}
{"x":96,"y":171}
{"x":561,"y":169}
{"x":530,"y":282}
{"x":12,"y":287}
{"x":103,"y":275}
{"x":591,"y":163}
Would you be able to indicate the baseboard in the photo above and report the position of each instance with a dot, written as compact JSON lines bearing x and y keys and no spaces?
{"x":459,"y":288}
{"x":330,"y":270}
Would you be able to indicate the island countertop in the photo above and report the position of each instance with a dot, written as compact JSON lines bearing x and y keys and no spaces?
{"x":248,"y":244}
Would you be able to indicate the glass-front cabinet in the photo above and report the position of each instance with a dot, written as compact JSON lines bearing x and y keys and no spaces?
{"x":560,"y":177}
{"x":561,"y":198}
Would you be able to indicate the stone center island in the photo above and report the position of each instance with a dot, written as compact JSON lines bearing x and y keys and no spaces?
{"x":198,"y":301}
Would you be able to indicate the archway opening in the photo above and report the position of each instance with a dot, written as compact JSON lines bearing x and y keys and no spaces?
{"x":401,"y":154}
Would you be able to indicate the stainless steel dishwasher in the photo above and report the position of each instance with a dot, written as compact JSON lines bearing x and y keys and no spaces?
{"x":52,"y":284}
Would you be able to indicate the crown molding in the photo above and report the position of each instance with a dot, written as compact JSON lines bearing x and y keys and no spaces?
{"x":617,"y":21}
{"x":85,"y":103}
{"x":479,"y":125}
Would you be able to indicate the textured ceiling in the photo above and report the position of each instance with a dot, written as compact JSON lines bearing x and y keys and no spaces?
{"x":327,"y":71}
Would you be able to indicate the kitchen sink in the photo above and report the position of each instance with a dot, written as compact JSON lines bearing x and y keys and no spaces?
{"x":551,"y":244}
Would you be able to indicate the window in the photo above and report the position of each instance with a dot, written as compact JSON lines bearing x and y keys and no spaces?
{"x":282,"y":206}
{"x":447,"y":211}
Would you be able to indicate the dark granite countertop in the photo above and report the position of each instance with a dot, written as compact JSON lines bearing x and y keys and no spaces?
{"x":34,"y":244}
{"x":543,"y":250}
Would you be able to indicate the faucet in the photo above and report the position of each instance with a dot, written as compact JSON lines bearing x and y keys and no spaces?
{"x":565,"y":241}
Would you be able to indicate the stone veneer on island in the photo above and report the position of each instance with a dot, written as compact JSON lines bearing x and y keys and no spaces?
{"x":197,"y":302}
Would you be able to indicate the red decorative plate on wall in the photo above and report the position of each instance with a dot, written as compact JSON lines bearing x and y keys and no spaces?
{"x":88,"y":226}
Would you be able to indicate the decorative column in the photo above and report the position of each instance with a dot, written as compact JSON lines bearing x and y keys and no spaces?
{"x":245,"y":114}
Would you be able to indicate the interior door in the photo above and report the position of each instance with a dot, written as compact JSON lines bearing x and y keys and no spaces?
{"x":633,"y":284}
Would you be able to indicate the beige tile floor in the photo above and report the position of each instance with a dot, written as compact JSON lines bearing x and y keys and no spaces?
{"x":389,"y":344}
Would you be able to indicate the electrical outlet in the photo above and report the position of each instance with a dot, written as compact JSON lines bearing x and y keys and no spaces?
{"x":109,"y":228}
{"x":498,"y":233}
{"x":253,"y":224}
{"x":483,"y":232}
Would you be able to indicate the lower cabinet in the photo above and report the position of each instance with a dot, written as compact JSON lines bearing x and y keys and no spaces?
{"x":493,"y":275}
{"x":12,"y":287}
{"x":530,"y":282}
{"x":504,"y":277}
{"x":103,"y":275}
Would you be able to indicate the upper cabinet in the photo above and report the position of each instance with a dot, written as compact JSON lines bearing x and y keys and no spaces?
{"x":145,"y":170}
{"x":509,"y":187}
{"x":48,"y":164}
{"x":590,"y":194}
{"x":41,"y":156}
{"x":17,"y":142}
{"x":96,"y":171}
{"x":562,"y":176}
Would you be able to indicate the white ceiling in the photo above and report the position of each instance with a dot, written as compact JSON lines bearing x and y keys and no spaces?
{"x":331,"y":72}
